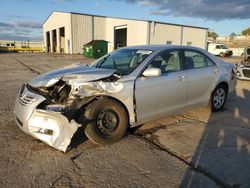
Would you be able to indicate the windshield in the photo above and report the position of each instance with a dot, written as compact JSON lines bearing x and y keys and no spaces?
{"x":223,"y":47}
{"x":123,"y":60}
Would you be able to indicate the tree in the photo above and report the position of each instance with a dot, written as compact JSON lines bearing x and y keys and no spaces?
{"x":246,"y":31}
{"x":212,"y":35}
{"x":232,"y":35}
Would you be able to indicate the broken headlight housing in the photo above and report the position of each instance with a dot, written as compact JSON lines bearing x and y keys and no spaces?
{"x":52,"y":82}
{"x":240,"y":65}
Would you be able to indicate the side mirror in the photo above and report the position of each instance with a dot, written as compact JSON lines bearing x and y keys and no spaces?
{"x":152,"y":72}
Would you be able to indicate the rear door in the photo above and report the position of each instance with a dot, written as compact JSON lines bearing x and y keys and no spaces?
{"x":202,"y":74}
{"x":159,"y":96}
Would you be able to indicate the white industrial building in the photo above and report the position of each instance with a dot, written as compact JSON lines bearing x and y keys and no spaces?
{"x":67,"y":32}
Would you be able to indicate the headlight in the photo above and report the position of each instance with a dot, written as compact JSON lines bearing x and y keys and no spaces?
{"x":52,"y":82}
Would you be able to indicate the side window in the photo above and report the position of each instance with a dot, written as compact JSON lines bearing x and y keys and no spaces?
{"x":168,"y":61}
{"x":217,"y":47}
{"x":209,"y":62}
{"x":197,"y":60}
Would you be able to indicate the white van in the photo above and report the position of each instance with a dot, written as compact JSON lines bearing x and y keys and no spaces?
{"x":219,"y":49}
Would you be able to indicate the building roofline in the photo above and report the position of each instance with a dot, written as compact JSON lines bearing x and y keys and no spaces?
{"x":152,"y":21}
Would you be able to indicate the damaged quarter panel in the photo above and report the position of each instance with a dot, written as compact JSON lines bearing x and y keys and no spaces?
{"x":120,"y":89}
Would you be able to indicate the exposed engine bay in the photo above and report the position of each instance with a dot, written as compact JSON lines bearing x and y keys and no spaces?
{"x":59,"y":99}
{"x":70,"y":99}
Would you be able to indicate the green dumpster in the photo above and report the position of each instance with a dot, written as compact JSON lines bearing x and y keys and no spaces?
{"x":95,"y":49}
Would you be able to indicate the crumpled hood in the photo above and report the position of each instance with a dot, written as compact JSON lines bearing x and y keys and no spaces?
{"x":78,"y":70}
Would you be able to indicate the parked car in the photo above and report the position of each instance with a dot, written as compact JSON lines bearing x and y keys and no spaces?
{"x":125,"y":88}
{"x":243,"y":67}
{"x":219,"y":50}
{"x":246,"y":52}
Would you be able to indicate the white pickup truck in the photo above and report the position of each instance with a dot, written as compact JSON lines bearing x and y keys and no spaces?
{"x":219,"y":49}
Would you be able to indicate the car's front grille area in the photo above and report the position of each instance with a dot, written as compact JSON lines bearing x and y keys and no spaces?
{"x":25,"y":100}
{"x":246,"y":73}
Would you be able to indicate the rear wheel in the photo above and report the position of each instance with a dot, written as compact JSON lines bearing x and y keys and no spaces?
{"x":218,"y":98}
{"x":108,"y":121}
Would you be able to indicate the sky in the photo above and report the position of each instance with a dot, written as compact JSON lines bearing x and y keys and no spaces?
{"x":23,"y":19}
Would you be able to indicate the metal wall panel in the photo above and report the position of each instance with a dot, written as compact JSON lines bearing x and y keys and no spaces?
{"x":99,"y":28}
{"x":161,"y":33}
{"x":179,"y":35}
{"x":82,"y":31}
{"x":195,"y":37}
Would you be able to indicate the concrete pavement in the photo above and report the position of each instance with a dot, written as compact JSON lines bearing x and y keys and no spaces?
{"x":216,"y":143}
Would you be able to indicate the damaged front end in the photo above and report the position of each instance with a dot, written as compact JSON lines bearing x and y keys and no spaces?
{"x":41,"y":112}
{"x":242,"y":69}
{"x":51,"y":111}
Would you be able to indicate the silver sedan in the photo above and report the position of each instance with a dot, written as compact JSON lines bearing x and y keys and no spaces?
{"x":125,"y":88}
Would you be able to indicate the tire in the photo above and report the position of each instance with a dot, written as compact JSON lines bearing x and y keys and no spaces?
{"x":107,"y":121}
{"x":222,"y":54}
{"x":218,"y":98}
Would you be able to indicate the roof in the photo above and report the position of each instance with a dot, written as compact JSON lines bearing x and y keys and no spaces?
{"x":161,"y":47}
{"x":84,"y":14}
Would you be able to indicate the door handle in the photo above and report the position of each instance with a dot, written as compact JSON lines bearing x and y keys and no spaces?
{"x":182,"y":78}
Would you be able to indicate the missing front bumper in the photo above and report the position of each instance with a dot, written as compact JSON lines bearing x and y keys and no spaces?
{"x":50,"y":127}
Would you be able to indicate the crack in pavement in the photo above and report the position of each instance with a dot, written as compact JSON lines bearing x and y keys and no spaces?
{"x":63,"y":175}
{"x":154,"y":141}
{"x":187,"y":117}
{"x":31,"y":69}
{"x":73,"y":158}
{"x":196,"y":168}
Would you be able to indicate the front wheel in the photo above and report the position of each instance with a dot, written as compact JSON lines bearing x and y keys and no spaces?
{"x":222,"y":54}
{"x":108,"y":121}
{"x":218,"y":98}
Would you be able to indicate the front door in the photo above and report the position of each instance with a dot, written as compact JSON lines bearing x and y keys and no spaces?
{"x":159,"y":96}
